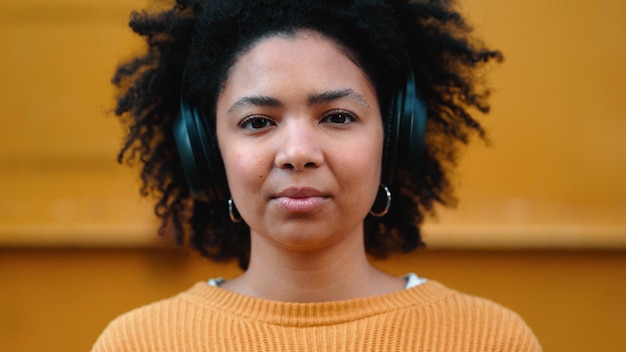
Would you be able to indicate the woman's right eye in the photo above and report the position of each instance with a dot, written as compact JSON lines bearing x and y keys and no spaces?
{"x":256,"y":122}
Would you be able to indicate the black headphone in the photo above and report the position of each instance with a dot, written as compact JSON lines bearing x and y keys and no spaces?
{"x":204,"y":169}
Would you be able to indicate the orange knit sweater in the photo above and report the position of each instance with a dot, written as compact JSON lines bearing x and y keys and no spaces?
{"x":429,"y":317}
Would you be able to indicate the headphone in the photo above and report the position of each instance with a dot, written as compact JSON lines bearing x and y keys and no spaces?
{"x":203,"y":167}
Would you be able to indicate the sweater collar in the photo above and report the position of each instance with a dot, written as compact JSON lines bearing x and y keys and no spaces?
{"x":218,"y":300}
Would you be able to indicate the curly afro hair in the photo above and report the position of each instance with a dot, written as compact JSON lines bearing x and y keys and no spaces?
{"x":193,"y":44}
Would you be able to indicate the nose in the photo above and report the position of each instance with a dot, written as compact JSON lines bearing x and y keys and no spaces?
{"x":299,"y":147}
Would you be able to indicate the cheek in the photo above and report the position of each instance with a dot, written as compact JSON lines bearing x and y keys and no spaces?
{"x":364,"y":165}
{"x":245,"y":170}
{"x":374,"y":146}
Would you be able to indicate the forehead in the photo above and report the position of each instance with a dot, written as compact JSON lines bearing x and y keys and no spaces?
{"x":308,"y":35}
{"x":305,"y":56}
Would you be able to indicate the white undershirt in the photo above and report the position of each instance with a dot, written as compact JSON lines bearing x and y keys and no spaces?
{"x":412,"y":280}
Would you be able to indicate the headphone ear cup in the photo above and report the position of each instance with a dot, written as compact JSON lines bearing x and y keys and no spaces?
{"x":413,"y":117}
{"x":392,"y":133}
{"x":200,"y":165}
{"x":405,"y":131}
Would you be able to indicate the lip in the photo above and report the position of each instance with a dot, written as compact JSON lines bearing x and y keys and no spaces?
{"x":300,"y":199}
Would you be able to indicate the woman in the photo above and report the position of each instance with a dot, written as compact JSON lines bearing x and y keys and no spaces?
{"x":278,"y":133}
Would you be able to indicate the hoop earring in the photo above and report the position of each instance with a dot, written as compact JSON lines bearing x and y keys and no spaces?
{"x":232,"y":211}
{"x":385,"y":210}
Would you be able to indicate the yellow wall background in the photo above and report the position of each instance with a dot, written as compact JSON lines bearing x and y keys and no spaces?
{"x":541,"y":226}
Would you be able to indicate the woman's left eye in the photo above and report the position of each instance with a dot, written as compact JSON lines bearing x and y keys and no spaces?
{"x":339,"y":117}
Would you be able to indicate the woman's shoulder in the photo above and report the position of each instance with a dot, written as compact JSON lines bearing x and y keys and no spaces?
{"x":188,"y":299}
{"x":131,"y":330}
{"x":464,"y":305}
{"x":468,"y":316}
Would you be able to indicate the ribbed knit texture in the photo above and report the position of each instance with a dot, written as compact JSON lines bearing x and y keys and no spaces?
{"x":429,"y":317}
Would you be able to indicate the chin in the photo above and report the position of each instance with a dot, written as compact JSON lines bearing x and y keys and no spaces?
{"x":307,"y":235}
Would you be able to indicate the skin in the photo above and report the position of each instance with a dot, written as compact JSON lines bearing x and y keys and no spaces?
{"x":301,"y":136}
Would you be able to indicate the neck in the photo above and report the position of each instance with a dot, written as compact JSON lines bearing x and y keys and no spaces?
{"x":338,"y":272}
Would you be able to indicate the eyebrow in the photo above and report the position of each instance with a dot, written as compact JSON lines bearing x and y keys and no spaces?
{"x":333,"y":95}
{"x":256,"y":100}
{"x":313,"y":99}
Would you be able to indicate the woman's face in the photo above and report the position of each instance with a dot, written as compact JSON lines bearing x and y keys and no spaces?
{"x":300,"y":133}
